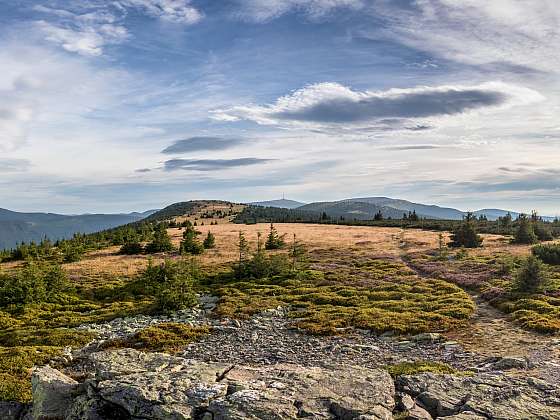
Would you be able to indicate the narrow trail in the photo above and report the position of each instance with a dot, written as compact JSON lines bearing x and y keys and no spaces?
{"x":492,"y":333}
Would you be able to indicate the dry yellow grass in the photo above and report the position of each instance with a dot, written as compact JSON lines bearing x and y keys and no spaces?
{"x":362,"y":239}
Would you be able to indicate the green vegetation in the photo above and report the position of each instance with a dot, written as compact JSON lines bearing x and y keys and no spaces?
{"x":161,"y":241}
{"x":35,"y":283}
{"x":166,"y":337}
{"x":190,"y":243}
{"x":531,"y":276}
{"x":548,"y":253}
{"x":131,"y":248}
{"x":39,"y":306}
{"x":525,"y":288}
{"x":392,"y":300}
{"x":209,"y":241}
{"x":525,"y":232}
{"x":413,"y":368}
{"x":465,"y":235}
{"x":274,"y":241}
{"x":172,"y":284}
{"x":15,"y":365}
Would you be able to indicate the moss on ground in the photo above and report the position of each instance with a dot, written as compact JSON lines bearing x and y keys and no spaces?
{"x":166,"y":337}
{"x":35,"y":333}
{"x":492,"y":276}
{"x":410,"y":305}
{"x":15,"y":369}
{"x":413,"y":368}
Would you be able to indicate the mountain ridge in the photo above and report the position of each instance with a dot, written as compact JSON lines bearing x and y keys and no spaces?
{"x":17,"y":227}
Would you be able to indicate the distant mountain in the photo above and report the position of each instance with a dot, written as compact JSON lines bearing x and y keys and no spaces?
{"x":283,"y":204}
{"x":18,"y":227}
{"x":350,"y":209}
{"x":424,"y":210}
{"x":364,"y":208}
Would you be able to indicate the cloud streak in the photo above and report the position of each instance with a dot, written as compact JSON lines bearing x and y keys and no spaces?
{"x":334,"y":104}
{"x":206,"y":165}
{"x":195,"y":144}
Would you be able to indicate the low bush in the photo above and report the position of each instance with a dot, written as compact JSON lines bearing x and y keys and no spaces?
{"x":525,"y":232}
{"x":548,"y":253}
{"x":161,"y":241}
{"x":411,"y":306}
{"x":262,"y":266}
{"x":531,"y":276}
{"x":172,"y":284}
{"x":190,"y":243}
{"x":131,"y":248}
{"x":209,"y":241}
{"x":465,"y":235}
{"x":35,"y":283}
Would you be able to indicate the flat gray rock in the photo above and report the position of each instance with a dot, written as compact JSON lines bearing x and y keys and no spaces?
{"x":159,"y":386}
{"x":497,"y":396}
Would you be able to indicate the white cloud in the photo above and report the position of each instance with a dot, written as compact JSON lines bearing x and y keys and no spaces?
{"x":87,"y":40}
{"x":176,"y":11}
{"x":265,"y":10}
{"x":88,"y":28}
{"x":522,"y":32}
{"x":331,"y":104}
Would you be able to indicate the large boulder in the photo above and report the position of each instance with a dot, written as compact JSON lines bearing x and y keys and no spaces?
{"x":492,"y":396}
{"x":53,"y":393}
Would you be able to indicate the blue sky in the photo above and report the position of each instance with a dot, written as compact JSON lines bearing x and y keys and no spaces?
{"x":122,"y":105}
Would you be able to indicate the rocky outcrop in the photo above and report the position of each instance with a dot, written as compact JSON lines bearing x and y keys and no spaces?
{"x":131,"y":384}
{"x":490,"y":396}
{"x":52,"y":392}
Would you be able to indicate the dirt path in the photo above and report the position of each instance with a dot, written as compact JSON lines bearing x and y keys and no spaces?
{"x":491,"y":333}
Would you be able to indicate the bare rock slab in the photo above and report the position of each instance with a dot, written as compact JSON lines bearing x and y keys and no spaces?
{"x":53,"y":393}
{"x":497,"y":397}
{"x":160,"y":386}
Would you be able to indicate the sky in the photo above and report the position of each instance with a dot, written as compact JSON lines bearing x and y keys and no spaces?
{"x":129,"y":105}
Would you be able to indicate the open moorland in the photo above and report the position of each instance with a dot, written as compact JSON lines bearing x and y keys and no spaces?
{"x":388,"y":298}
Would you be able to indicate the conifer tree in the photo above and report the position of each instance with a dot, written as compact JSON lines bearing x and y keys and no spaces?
{"x":243,"y":247}
{"x":274,"y":241}
{"x":209,"y":241}
{"x":297,"y":252}
{"x":465,"y":235}
{"x":161,"y":241}
{"x":525,"y":233}
{"x":190,"y":243}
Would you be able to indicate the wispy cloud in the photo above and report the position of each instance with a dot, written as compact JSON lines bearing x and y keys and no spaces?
{"x":413,"y":147}
{"x":88,"y":28}
{"x":523,"y":33}
{"x":265,"y":10}
{"x":176,"y":11}
{"x":334,"y":104}
{"x":87,"y":39}
{"x":204,"y":165}
{"x":194,"y":144}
